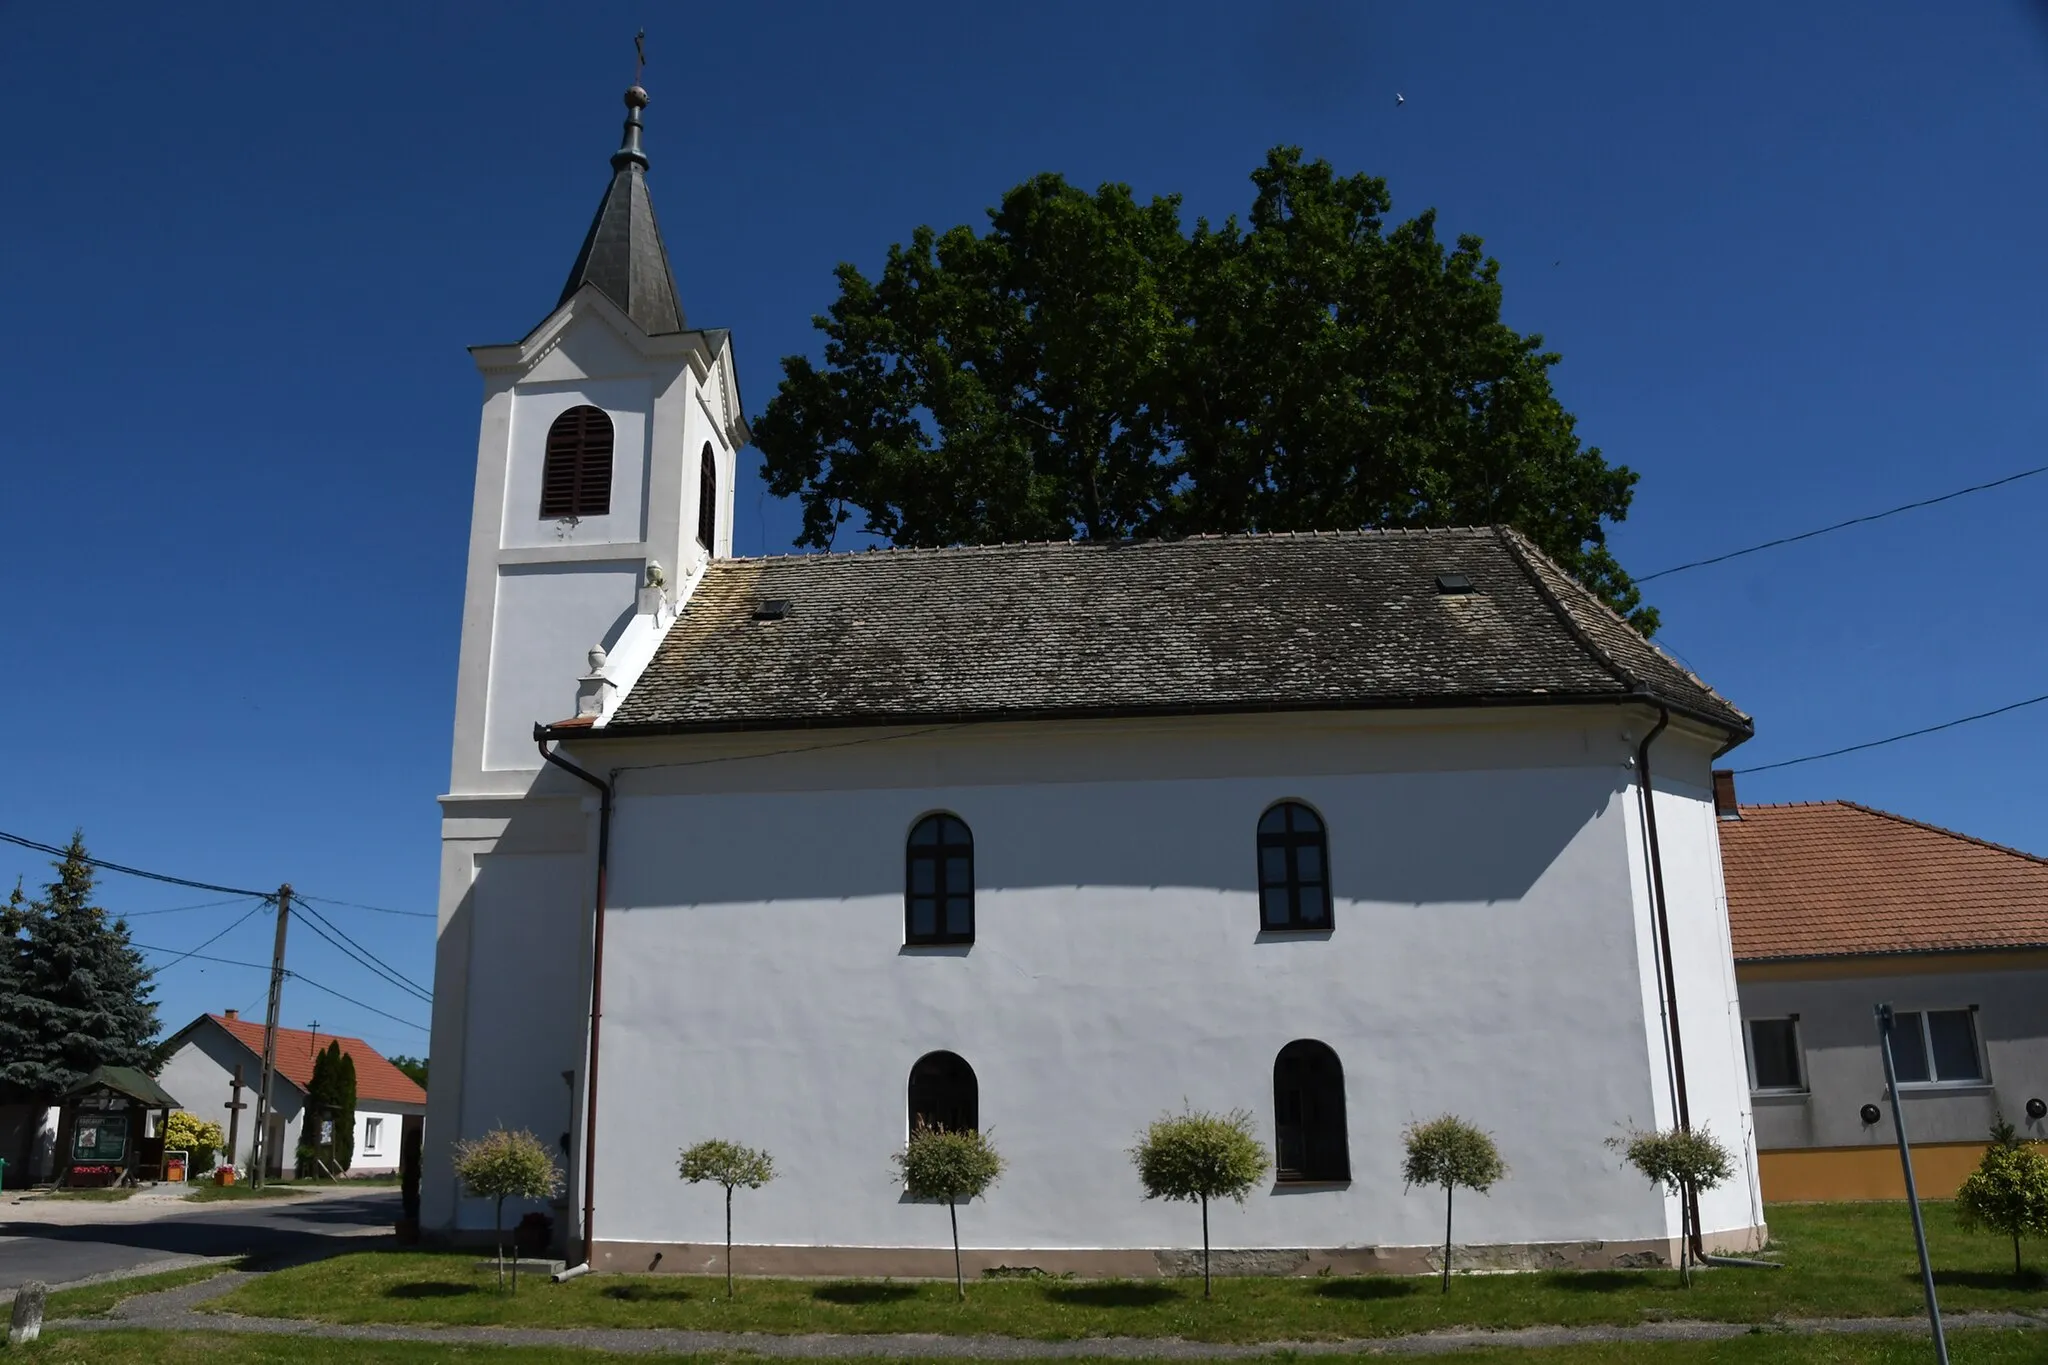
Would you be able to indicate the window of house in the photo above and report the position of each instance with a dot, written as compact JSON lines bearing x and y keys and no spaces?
{"x":707,"y":497}
{"x":1936,"y":1047}
{"x":373,"y":1136}
{"x":576,"y":480}
{"x":1774,"y":1057}
{"x":944,"y":1094}
{"x":1294,"y":876}
{"x":1308,"y":1113}
{"x":938,"y":888}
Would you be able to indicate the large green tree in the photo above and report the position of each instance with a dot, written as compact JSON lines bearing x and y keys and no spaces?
{"x":75,"y":994}
{"x":1087,"y":368}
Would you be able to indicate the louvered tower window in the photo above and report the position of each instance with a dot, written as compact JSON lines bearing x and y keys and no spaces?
{"x":707,"y":498}
{"x":577,"y":479}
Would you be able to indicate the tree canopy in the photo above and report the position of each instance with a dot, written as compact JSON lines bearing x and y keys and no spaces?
{"x":74,"y":995}
{"x":1087,"y":368}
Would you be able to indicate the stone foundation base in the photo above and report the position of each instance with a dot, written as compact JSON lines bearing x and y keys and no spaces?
{"x":696,"y":1258}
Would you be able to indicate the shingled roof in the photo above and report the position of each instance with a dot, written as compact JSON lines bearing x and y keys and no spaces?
{"x":1208,"y":624}
{"x":1834,"y":879}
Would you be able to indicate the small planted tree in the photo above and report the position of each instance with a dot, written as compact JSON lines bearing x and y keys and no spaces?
{"x":2008,"y":1192}
{"x":954,"y":1166}
{"x":1683,"y":1162}
{"x":730,"y":1165}
{"x":1198,"y":1157}
{"x":500,"y":1166}
{"x":1452,"y":1153}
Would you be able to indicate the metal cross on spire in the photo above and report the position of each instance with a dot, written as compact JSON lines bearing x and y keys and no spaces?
{"x":639,"y":54}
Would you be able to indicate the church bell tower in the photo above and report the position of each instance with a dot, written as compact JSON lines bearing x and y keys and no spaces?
{"x":604,"y":478}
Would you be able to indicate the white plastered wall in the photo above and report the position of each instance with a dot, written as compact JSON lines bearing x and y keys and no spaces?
{"x":1716,"y":1076}
{"x":1486,"y":961}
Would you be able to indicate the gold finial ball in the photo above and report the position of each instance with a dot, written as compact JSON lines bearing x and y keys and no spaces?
{"x":636,"y":98}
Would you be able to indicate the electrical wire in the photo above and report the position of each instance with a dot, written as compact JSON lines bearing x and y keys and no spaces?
{"x":180,"y":909}
{"x":357,"y":905}
{"x":362,"y":955}
{"x":295,"y":976}
{"x":1843,"y":525}
{"x":1894,"y":739}
{"x":38,"y":846}
{"x":209,"y":942}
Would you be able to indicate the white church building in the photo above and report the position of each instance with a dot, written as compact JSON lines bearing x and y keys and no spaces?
{"x":1347,"y":830}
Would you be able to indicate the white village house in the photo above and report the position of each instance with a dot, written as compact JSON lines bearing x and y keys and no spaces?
{"x":1348,"y":830}
{"x":217,"y":1060}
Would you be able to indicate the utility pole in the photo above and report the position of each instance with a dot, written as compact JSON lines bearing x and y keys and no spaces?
{"x":260,"y":1156}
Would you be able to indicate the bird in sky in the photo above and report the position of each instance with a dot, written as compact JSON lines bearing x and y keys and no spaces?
{"x":1399,"y":99}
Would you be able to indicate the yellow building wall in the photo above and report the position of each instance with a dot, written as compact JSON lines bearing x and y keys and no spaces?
{"x":1833,"y":1173}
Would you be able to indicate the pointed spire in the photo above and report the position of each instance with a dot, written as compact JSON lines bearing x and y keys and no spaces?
{"x":622,"y":255}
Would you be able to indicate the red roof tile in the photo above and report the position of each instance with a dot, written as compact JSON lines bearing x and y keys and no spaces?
{"x":1832,"y":878}
{"x":376,"y":1077}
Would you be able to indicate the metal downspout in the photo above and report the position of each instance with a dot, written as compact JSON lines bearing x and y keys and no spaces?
{"x":604,"y":844}
{"x":1663,"y":911}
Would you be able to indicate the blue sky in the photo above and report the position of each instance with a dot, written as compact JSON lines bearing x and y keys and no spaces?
{"x":1791,"y":257}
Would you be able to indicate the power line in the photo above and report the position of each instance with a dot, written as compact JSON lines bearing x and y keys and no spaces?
{"x":362,"y":956}
{"x":209,"y":942}
{"x":105,"y":866}
{"x":180,"y":909}
{"x":357,"y":905}
{"x":1894,"y":739}
{"x":351,"y":1000}
{"x":1843,"y":525}
{"x":296,"y":976}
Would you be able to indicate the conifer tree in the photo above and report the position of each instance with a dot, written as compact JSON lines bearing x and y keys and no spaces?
{"x":78,"y":995}
{"x":345,"y":1110}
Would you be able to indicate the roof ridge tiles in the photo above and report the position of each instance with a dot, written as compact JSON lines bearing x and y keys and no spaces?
{"x":1518,"y":551}
{"x":1120,"y":542}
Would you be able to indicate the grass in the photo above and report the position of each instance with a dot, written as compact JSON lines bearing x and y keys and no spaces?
{"x":1848,"y":1260}
{"x":346,"y":1182}
{"x":209,"y":1348}
{"x":104,"y":1195}
{"x":213,"y":1194}
{"x":90,"y":1301}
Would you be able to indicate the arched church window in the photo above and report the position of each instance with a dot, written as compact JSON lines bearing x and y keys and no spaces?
{"x":944,"y":1094}
{"x":576,"y":481}
{"x":938,"y":881}
{"x":707,"y":498}
{"x":1308,"y":1113}
{"x":1294,"y":869}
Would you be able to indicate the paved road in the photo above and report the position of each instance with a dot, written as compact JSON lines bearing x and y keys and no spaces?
{"x":57,"y":1243}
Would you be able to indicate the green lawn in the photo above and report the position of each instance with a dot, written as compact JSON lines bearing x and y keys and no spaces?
{"x":94,"y":1299}
{"x":196,"y":1348}
{"x":105,"y":1195}
{"x":1841,"y":1260}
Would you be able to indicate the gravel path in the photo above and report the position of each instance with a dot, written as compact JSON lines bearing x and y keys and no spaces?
{"x":174,"y":1310}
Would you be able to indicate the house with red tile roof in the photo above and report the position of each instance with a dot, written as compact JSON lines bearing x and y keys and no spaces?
{"x":1835,"y":908}
{"x":216,"y":1061}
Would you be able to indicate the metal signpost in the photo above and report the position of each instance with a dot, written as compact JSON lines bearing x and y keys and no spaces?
{"x":1891,"y":1082}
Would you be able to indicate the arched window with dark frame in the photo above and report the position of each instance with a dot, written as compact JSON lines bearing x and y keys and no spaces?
{"x":707,"y":497}
{"x":1294,"y":869}
{"x":1308,"y":1113}
{"x":944,"y":1094}
{"x":938,"y":881}
{"x":576,"y":477}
